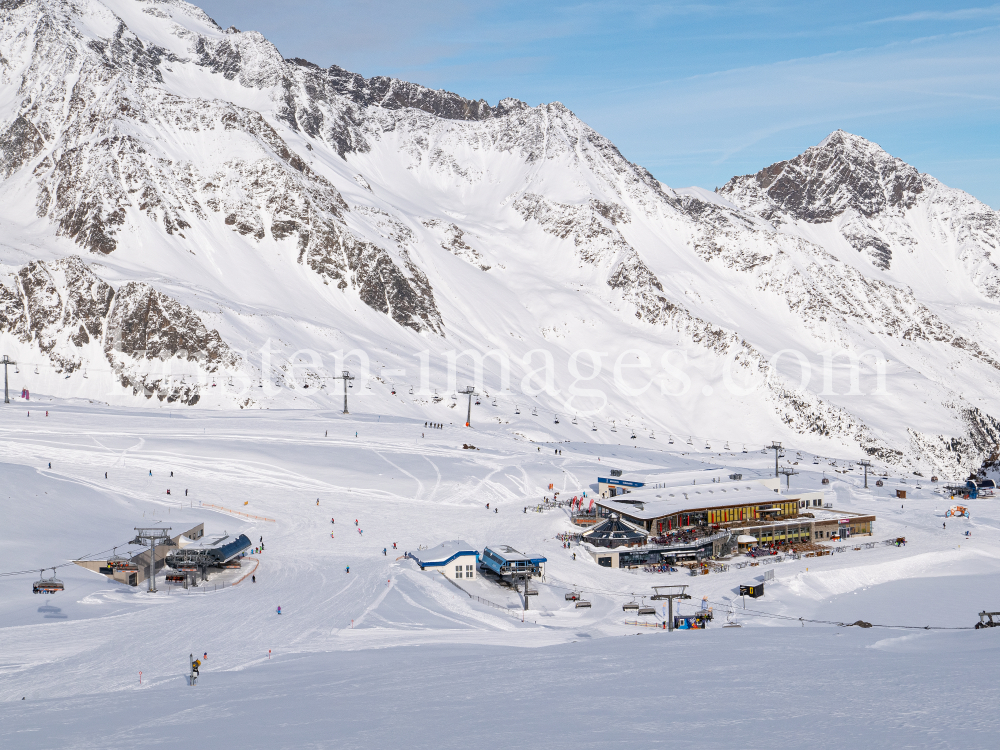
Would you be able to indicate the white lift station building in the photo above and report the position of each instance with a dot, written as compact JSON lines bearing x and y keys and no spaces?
{"x":456,"y":559}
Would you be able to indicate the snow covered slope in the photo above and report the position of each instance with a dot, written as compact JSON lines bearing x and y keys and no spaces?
{"x":263,"y":202}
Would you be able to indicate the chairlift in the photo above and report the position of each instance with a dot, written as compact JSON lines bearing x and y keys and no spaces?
{"x":646,"y":611}
{"x":260,"y":382}
{"x":572,"y":596}
{"x":368,"y":385}
{"x":47,"y":585}
{"x":744,"y":447}
{"x":727,"y":445}
{"x":707,"y":446}
{"x":517,"y":409}
{"x":630,"y":607}
{"x":411,"y":390}
{"x":534,"y":412}
{"x":477,"y":400}
{"x":120,"y":562}
{"x":652,"y":435}
{"x":583,"y":604}
{"x":36,"y":369}
{"x":594,"y":428}
{"x":436,"y":398}
{"x":556,"y":419}
{"x":613,"y":426}
{"x":633,"y":435}
{"x":16,"y":370}
{"x":670,"y":440}
{"x":494,"y":401}
{"x":350,"y":384}
{"x":574,"y":419}
{"x":690,"y":440}
{"x":454,"y":397}
{"x":84,"y":372}
{"x":393,"y":390}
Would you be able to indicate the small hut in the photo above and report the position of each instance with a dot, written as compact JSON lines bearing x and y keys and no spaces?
{"x":745,"y":542}
{"x":614,"y":532}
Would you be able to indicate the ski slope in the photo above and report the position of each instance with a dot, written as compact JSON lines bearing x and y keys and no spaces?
{"x":388,"y":655}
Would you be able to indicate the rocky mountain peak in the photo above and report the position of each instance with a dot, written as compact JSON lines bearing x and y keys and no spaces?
{"x":841,"y":173}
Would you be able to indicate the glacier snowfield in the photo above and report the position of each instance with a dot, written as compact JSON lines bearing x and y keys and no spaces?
{"x":389,"y":656}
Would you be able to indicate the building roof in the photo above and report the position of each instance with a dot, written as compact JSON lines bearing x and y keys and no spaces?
{"x":444,"y":553}
{"x":614,"y":532}
{"x":648,"y":503}
{"x":510,"y":554}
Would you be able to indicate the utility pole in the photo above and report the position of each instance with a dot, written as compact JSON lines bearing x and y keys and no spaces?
{"x":866,"y":463}
{"x":470,"y":392}
{"x":153,"y":537}
{"x":6,"y":361}
{"x":776,"y":447}
{"x":672,"y":592}
{"x":345,"y":376}
{"x":788,"y":476}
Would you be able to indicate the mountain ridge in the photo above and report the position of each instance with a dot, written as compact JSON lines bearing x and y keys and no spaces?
{"x":277,"y":200}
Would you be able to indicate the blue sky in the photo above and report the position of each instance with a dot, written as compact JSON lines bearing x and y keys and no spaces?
{"x":696,"y":92}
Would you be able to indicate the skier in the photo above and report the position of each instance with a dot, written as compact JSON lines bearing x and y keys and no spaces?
{"x":487,"y":506}
{"x":347,"y":569}
{"x":253,"y":579}
{"x":326,"y":433}
{"x":332,"y":521}
{"x":317,"y":501}
{"x":574,"y":555}
{"x":495,"y":510}
{"x":383,"y":552}
{"x":46,"y":412}
{"x":355,"y":521}
{"x":279,"y":609}
{"x":105,"y":475}
{"x":50,"y":464}
{"x":944,"y":526}
{"x":168,"y":492}
{"x":394,"y":545}
{"x":171,"y":473}
{"x":150,"y":472}
{"x":185,"y":493}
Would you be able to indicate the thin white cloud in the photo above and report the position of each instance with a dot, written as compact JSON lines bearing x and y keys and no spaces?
{"x":962,"y":14}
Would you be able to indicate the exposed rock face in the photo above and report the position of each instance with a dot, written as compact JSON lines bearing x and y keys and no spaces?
{"x":843,"y":172}
{"x":62,"y":307}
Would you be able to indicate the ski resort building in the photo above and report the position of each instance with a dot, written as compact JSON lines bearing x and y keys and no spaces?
{"x":614,"y":485}
{"x":661,"y":511}
{"x":135,"y":570}
{"x":507,"y":562}
{"x":456,"y":559}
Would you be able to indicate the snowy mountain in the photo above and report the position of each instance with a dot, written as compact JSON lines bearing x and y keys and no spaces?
{"x":169,"y":186}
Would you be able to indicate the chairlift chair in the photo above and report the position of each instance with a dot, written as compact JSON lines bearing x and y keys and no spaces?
{"x":574,"y":419}
{"x":572,"y":596}
{"x":646,"y":611}
{"x":517,"y":409}
{"x":633,"y":434}
{"x":556,"y":419}
{"x":36,"y":369}
{"x":630,"y":607}
{"x":583,"y":604}
{"x":727,"y":445}
{"x":707,"y":446}
{"x":477,"y":400}
{"x":690,"y":440}
{"x":613,"y":426}
{"x":534,"y":412}
{"x":670,"y":440}
{"x":393,"y":391}
{"x":411,"y":390}
{"x":85,"y":372}
{"x":494,"y":401}
{"x":652,"y":435}
{"x":594,"y":427}
{"x":744,"y":447}
{"x":47,"y":585}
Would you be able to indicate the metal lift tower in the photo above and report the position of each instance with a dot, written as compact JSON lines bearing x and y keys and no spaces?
{"x":867,"y":464}
{"x":6,"y":361}
{"x":470,"y":392}
{"x":776,"y":447}
{"x":152,"y":538}
{"x":670,"y":593}
{"x":345,"y":376}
